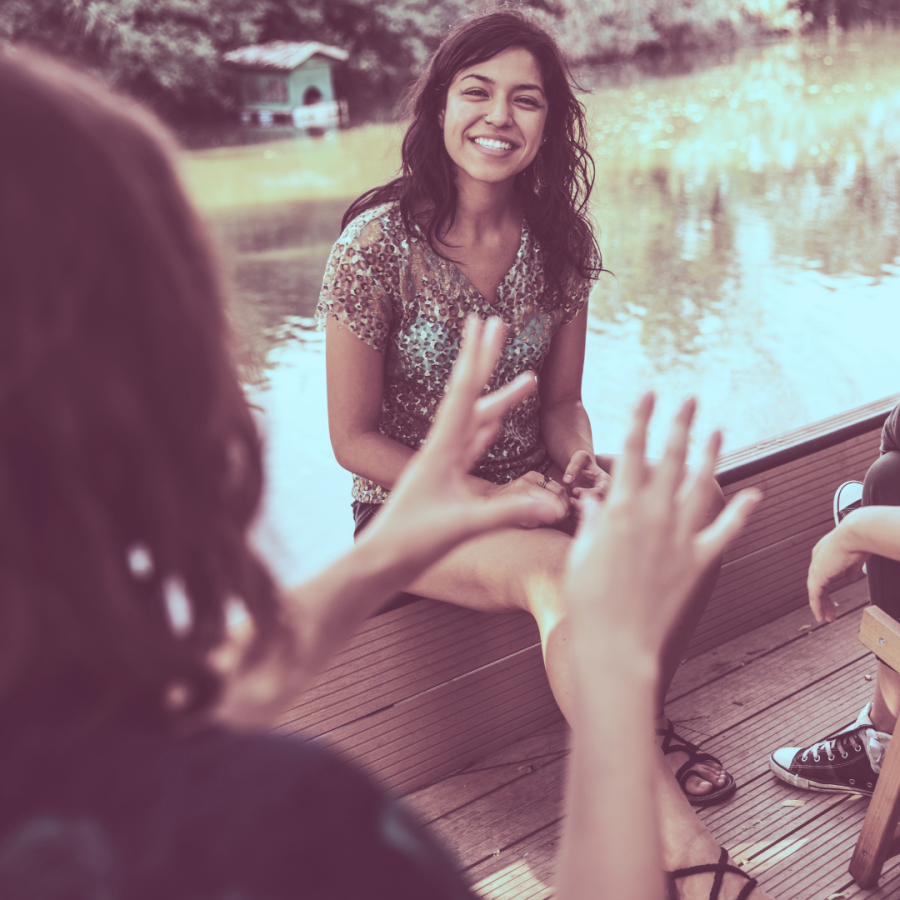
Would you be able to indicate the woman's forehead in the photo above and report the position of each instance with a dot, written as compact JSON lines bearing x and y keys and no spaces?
{"x":515,"y":67}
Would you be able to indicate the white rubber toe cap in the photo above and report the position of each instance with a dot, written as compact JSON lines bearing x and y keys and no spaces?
{"x":784,"y":756}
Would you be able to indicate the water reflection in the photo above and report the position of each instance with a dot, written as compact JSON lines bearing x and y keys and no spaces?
{"x":750,"y":212}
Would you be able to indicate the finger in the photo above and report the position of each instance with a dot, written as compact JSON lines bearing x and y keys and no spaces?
{"x":669,"y":474}
{"x":506,"y":397}
{"x":558,"y":491}
{"x":576,"y":464}
{"x":492,"y":339}
{"x":632,"y":467}
{"x":820,"y":602}
{"x":713,"y":540}
{"x":514,"y":509}
{"x":488,"y":412}
{"x":699,"y":486}
{"x":463,"y":388}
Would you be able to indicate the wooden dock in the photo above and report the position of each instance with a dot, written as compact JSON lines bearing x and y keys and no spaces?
{"x":451,"y":708}
{"x":789,"y":682}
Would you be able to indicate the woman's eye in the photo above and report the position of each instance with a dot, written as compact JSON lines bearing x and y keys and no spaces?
{"x":529,"y":101}
{"x":474,"y":92}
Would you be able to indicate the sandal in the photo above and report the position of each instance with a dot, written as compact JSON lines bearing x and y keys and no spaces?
{"x":675,"y":743}
{"x":721,"y":869}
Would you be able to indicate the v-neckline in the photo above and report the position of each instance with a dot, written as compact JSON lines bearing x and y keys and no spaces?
{"x":500,"y":296}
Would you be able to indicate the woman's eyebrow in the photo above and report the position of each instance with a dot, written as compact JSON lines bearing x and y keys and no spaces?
{"x":517,"y":87}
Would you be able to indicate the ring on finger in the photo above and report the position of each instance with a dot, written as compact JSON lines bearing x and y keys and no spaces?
{"x":543,"y":484}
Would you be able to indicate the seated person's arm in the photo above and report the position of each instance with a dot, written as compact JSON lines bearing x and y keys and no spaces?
{"x":843,"y":551}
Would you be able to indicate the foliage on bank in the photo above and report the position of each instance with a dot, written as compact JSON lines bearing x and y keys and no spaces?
{"x":167,"y":52}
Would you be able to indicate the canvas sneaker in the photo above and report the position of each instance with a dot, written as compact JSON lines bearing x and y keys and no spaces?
{"x":847,"y":763}
{"x":847,"y":498}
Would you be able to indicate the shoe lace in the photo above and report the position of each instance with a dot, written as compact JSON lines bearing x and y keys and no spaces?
{"x":840,"y":742}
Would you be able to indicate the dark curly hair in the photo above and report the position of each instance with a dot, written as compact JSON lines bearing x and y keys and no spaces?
{"x":124,"y":432}
{"x":555,"y":187}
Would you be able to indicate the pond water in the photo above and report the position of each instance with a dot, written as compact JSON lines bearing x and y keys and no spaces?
{"x":749,"y":210}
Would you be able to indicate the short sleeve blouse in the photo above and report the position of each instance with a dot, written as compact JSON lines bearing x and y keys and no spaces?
{"x":391,"y":290}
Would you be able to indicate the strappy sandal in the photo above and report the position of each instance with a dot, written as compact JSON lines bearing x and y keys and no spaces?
{"x":675,"y":743}
{"x":719,"y":870}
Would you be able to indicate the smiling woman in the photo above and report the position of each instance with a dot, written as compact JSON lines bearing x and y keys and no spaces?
{"x":488,"y":217}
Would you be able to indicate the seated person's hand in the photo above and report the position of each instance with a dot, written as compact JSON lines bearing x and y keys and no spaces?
{"x":832,"y":558}
{"x":536,"y":486}
{"x":584,"y":478}
{"x":433,"y":507}
{"x":638,"y":555}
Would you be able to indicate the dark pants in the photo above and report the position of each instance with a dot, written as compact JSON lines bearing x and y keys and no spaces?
{"x":882,"y":488}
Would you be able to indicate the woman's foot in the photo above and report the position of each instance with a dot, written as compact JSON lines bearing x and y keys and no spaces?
{"x":704,"y":851}
{"x":711,"y":775}
{"x":686,"y":842}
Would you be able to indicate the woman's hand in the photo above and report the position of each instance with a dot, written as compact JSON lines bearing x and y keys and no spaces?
{"x":584,"y":478}
{"x":432,"y":507}
{"x":638,"y":555}
{"x":832,"y":557}
{"x":541,"y":512}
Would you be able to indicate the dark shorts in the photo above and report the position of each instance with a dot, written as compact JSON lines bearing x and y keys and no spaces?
{"x":363,"y":514}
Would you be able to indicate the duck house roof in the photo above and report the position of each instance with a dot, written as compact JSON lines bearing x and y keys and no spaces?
{"x":281,"y":56}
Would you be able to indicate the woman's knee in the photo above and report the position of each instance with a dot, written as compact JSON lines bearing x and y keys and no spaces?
{"x":716,"y":500}
{"x":882,"y":484}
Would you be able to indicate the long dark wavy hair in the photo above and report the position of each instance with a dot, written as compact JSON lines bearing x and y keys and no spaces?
{"x":130,"y":466}
{"x":555,"y":187}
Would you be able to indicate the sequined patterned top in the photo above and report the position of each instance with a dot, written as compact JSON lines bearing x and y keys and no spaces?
{"x":396,"y":294}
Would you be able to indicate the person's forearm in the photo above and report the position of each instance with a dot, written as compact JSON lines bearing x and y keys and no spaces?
{"x":611,"y":839}
{"x":326,"y":611}
{"x":873,"y":529}
{"x":566,"y":429}
{"x":321,"y":616}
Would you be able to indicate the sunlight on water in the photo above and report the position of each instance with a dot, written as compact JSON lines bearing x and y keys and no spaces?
{"x":750,"y":213}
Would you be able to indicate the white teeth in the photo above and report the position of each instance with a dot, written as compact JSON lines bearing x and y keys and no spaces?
{"x":493,"y":145}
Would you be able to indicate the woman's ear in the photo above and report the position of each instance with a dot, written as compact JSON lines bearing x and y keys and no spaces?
{"x":441,"y":120}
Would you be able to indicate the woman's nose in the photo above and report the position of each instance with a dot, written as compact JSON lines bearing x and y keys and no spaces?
{"x":500,"y":114}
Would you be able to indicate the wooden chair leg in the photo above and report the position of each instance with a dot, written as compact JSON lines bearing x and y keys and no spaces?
{"x":874,"y":844}
{"x":881,"y":634}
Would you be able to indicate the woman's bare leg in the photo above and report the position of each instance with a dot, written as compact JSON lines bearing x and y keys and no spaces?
{"x":687,"y":842}
{"x":522,"y":569}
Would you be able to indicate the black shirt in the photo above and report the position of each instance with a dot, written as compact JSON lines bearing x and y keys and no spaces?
{"x":138,"y":814}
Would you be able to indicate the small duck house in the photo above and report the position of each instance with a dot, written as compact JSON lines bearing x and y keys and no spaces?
{"x":289,"y":82}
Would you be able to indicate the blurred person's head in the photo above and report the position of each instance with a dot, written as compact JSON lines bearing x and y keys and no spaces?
{"x":555,"y":176}
{"x":129,"y":464}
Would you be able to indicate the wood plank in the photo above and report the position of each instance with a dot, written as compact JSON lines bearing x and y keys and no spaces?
{"x":427,"y":644}
{"x":737,"y":652}
{"x":413,"y":743}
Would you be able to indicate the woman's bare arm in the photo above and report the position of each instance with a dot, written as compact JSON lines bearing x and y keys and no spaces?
{"x":844,"y":550}
{"x":634,"y":562}
{"x":565,"y":426}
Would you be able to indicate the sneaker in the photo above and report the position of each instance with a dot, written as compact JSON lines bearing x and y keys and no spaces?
{"x":847,"y":498}
{"x":847,"y":763}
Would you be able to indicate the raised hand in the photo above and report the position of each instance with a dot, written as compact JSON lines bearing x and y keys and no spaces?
{"x":638,"y":555}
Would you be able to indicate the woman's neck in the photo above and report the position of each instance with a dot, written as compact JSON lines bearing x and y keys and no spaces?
{"x":484,"y":209}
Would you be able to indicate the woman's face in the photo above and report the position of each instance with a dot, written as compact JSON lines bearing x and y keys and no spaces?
{"x":494,"y":118}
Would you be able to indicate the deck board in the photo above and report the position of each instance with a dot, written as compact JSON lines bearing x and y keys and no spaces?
{"x":770,"y":687}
